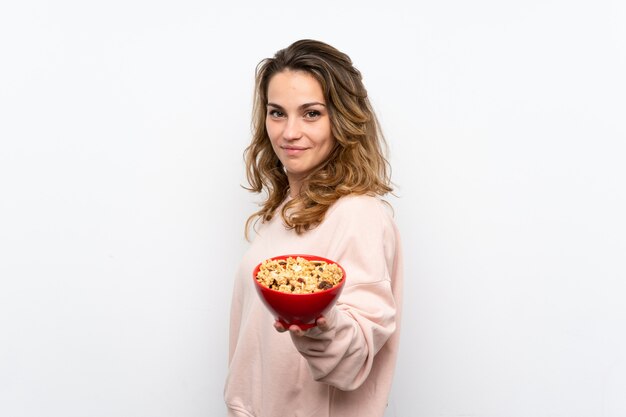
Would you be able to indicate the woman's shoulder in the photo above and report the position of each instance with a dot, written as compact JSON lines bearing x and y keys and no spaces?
{"x":366,"y":219}
{"x":357,"y":206}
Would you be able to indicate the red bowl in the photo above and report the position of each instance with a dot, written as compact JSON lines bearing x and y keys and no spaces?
{"x":299,"y":309}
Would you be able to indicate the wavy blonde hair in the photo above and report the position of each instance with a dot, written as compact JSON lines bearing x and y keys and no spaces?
{"x":357,"y":163}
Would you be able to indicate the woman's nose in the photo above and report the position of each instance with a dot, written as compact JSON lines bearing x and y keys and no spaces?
{"x":293,"y":129}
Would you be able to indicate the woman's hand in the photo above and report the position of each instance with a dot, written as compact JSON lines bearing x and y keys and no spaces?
{"x":295,"y":330}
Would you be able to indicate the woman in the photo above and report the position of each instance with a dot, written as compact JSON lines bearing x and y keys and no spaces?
{"x":317,"y":153}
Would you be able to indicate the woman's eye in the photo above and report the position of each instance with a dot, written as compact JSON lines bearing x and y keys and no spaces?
{"x":313,"y":114}
{"x":276,"y":113}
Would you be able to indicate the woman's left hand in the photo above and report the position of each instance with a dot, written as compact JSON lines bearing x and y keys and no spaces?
{"x":321,"y":322}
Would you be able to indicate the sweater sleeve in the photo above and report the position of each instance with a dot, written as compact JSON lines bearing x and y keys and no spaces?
{"x":364,"y":242}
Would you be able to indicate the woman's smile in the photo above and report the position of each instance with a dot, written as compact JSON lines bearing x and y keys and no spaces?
{"x":293,"y":150}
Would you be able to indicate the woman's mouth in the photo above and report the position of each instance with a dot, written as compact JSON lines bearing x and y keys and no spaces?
{"x":294,"y":150}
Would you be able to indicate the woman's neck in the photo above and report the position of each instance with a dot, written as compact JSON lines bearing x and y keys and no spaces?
{"x":295,"y":184}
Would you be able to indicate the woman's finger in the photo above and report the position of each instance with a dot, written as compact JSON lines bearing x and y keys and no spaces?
{"x":296,"y":330}
{"x":279,"y":327}
{"x":322,"y":324}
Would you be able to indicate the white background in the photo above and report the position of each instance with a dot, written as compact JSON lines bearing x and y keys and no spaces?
{"x":122,"y":126}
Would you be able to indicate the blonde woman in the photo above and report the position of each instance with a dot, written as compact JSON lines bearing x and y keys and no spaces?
{"x":317,"y":154}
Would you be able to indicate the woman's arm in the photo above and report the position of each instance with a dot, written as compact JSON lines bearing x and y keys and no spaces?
{"x":342,"y":350}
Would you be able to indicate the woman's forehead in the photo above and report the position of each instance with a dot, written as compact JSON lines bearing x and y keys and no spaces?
{"x":294,"y":86}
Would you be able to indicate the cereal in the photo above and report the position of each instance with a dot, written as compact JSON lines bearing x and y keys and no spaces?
{"x":298,"y":275}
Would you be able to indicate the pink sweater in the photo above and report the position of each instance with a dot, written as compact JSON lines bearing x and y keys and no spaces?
{"x":346,"y":371}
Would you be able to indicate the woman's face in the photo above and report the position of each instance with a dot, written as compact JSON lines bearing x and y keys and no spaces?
{"x":298,"y":124}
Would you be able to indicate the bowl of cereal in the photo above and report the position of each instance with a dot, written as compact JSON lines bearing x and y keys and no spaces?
{"x":297,"y":289}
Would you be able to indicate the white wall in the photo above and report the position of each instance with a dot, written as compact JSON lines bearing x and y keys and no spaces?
{"x":122,"y":125}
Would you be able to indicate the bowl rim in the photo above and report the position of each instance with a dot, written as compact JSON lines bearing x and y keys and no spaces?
{"x":301,"y":255}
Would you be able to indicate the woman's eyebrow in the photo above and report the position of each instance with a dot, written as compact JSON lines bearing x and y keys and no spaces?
{"x":301,"y":107}
{"x":269,"y":104}
{"x":314,"y":103}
